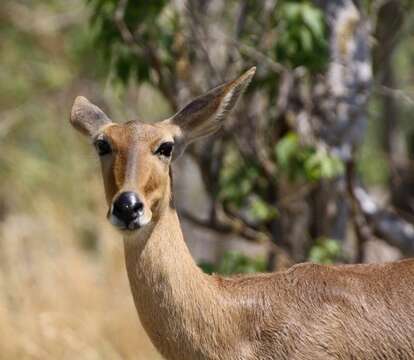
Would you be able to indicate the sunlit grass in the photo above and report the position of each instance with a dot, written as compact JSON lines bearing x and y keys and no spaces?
{"x":64,"y":292}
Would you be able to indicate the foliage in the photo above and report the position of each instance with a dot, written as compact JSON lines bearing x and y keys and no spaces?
{"x":183,"y":51}
{"x":325,"y":251}
{"x":238,"y":180}
{"x":51,"y":198}
{"x":302,"y":40}
{"x":296,"y":35}
{"x":234,"y":262}
{"x":153,"y":22}
{"x":300,"y":162}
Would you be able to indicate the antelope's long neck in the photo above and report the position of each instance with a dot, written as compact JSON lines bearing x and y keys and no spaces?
{"x":181,"y":308}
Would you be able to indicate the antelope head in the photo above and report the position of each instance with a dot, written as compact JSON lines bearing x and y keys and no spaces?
{"x":136,"y":157}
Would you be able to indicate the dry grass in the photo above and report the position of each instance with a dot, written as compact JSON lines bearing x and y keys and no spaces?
{"x":59,"y":301}
{"x":64,"y":292}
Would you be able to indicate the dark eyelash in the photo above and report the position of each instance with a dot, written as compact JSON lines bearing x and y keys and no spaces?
{"x":165,"y":149}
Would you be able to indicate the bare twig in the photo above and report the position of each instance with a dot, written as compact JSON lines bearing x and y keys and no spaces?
{"x":383,"y":223}
{"x":362,"y":228}
{"x":228,"y":226}
{"x":142,"y":49}
{"x":397,"y":93}
{"x":300,"y":193}
{"x":200,"y":39}
{"x":257,"y":56}
{"x":127,"y":37}
{"x":241,"y":18}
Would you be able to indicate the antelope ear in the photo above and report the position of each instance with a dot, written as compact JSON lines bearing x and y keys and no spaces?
{"x":87,"y":117}
{"x":204,"y":115}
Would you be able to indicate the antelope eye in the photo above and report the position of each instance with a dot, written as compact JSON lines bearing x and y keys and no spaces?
{"x":165,"y":149}
{"x":103,"y":147}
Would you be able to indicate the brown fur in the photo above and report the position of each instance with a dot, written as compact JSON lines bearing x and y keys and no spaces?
{"x":307,"y":312}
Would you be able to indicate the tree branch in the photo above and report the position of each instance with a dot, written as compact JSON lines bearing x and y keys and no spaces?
{"x":133,"y":42}
{"x":396,"y":93}
{"x":349,"y":77}
{"x":127,"y":37}
{"x":383,"y":223}
{"x":228,"y":226}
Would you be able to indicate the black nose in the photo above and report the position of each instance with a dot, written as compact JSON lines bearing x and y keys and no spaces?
{"x":128,"y":207}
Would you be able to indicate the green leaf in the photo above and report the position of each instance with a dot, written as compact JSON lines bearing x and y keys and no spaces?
{"x":322,"y":165}
{"x":306,"y":39}
{"x":291,"y":11}
{"x":332,"y":247}
{"x":261,"y":210}
{"x":313,"y":18}
{"x":286,"y":149}
{"x":234,"y":262}
{"x":207,"y":267}
{"x":325,"y":251}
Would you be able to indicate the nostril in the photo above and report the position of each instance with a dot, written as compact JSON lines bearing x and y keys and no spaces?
{"x":138,"y":207}
{"x":127,"y":207}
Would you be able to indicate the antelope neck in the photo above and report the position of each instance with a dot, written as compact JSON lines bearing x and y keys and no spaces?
{"x":177,"y":303}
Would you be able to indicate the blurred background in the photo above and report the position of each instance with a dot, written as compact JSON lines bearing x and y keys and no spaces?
{"x":316,"y":163}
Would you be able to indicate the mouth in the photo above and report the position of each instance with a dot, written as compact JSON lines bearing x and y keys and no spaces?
{"x":131,"y":226}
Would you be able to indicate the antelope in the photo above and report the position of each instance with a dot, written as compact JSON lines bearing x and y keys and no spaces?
{"x":309,"y":311}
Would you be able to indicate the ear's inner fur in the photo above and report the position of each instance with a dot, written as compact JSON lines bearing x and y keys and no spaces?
{"x":204,"y":115}
{"x":87,"y":117}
